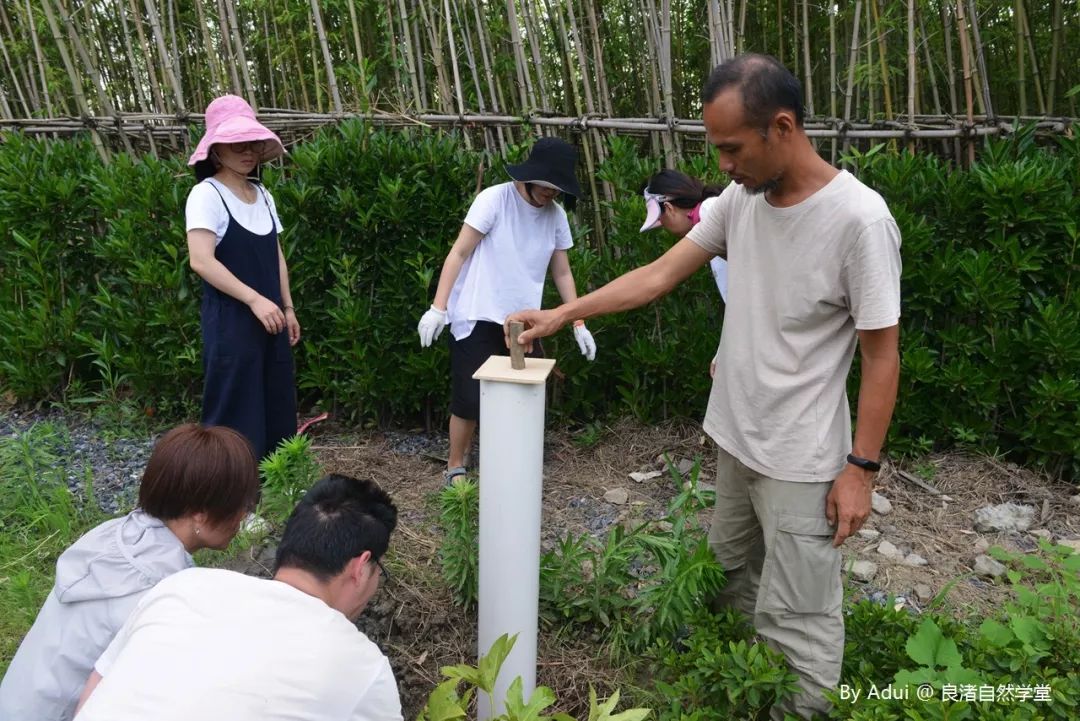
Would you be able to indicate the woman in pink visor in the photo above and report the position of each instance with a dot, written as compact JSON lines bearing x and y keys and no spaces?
{"x":248,"y":320}
{"x":676,"y":202}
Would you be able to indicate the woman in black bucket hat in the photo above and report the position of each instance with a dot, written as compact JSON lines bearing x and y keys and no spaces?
{"x":513,"y":234}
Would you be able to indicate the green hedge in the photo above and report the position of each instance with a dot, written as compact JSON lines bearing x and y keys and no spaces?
{"x":96,"y":300}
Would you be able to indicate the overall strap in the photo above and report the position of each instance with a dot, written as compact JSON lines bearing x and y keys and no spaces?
{"x":266,"y":200}
{"x":214,"y":186}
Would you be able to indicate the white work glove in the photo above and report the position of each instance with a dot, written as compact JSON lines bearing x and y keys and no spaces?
{"x":431,"y":325}
{"x":585,"y":341}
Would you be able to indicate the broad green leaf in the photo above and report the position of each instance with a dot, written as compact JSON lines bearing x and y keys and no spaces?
{"x":929,"y":647}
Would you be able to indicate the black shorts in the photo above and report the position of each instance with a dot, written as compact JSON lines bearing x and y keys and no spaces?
{"x":466,"y":357}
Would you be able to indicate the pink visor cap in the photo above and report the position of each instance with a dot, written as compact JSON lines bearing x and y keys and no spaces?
{"x":229,"y":119}
{"x":653,"y":209}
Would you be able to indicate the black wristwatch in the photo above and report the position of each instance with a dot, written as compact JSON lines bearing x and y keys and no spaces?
{"x":864,"y":463}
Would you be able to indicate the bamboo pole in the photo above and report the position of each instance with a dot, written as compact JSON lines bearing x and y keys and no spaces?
{"x":532,"y":30}
{"x":809,"y":80}
{"x":418,"y":48}
{"x":852,"y":57}
{"x":980,"y":62}
{"x":313,"y":55}
{"x":5,"y":109}
{"x":929,"y":63}
{"x":328,"y":61}
{"x":212,"y":59}
{"x":594,"y":135}
{"x":497,"y":100}
{"x":965,"y":54}
{"x":880,"y":32}
{"x":238,"y":52}
{"x":360,"y":64}
{"x":598,"y":63}
{"x":269,"y":56}
{"x":1036,"y":77}
{"x":28,"y":107}
{"x":446,"y":100}
{"x":871,"y":99}
{"x":76,"y":81}
{"x":1055,"y":48}
{"x":740,"y":40}
{"x":1021,"y":76}
{"x":714,"y":39}
{"x":227,"y":46}
{"x":40,"y":57}
{"x":454,"y":64}
{"x":461,"y":20}
{"x":524,"y":84}
{"x":911,"y":68}
{"x":171,"y":10}
{"x":159,"y":39}
{"x":410,"y":61}
{"x":831,"y":11}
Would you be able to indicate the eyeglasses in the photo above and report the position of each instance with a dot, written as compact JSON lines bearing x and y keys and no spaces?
{"x":255,"y":146}
{"x":383,"y":573}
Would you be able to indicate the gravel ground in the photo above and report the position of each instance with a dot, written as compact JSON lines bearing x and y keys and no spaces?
{"x":115,"y":464}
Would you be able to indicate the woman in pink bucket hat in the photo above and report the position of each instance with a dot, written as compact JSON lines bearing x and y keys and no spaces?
{"x":248,"y":319}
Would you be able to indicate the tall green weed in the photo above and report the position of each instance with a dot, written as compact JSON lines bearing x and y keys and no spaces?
{"x":39,"y":519}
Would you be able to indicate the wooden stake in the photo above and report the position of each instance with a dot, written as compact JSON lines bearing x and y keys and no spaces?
{"x":517,"y":351}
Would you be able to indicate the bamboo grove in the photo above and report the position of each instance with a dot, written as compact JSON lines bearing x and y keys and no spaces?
{"x":629,"y":59}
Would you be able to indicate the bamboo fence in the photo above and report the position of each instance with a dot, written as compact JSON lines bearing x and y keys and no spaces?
{"x":936,"y":74}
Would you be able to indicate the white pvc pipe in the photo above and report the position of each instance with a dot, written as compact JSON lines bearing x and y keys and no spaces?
{"x":511,"y":470}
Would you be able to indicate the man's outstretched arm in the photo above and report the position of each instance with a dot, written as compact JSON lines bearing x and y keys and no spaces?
{"x":630,"y":290}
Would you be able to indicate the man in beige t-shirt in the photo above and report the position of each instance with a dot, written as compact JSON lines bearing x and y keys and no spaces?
{"x":814,"y":271}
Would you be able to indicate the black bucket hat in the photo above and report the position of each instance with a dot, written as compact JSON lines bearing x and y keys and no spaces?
{"x":551,"y":161}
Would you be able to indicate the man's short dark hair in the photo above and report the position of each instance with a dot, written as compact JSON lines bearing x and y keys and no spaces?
{"x":336,"y":521}
{"x":766,"y":86}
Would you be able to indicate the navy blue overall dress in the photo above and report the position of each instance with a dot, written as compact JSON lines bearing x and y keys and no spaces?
{"x":249,"y":384}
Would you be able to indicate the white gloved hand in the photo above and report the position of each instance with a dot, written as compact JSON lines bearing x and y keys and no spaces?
{"x":585,"y":341}
{"x":431,"y":325}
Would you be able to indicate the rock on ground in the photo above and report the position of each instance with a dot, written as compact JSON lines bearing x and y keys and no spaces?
{"x":880,"y":504}
{"x":986,"y":566}
{"x":1004,"y":517}
{"x":863,"y":570}
{"x":890,"y":551}
{"x":617,"y":496}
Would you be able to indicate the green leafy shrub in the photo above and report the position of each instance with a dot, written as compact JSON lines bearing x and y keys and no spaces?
{"x":287,"y":474}
{"x":446,"y":703}
{"x":639,"y":583}
{"x":459,"y":516}
{"x":96,"y":297}
{"x":720,"y":671}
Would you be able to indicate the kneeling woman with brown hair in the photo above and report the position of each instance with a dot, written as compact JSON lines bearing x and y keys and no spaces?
{"x":199,"y":484}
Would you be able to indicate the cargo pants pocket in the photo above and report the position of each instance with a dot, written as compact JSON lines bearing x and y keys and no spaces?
{"x":801,"y":573}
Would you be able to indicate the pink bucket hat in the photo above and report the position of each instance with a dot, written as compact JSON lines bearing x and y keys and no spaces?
{"x":229,"y":119}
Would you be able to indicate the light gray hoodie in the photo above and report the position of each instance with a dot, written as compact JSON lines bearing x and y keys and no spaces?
{"x":98,"y":582}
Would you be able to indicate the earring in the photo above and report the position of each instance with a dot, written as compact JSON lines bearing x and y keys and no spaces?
{"x":197,"y":530}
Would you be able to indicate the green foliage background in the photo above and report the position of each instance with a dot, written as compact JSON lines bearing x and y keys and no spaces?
{"x":97,"y":301}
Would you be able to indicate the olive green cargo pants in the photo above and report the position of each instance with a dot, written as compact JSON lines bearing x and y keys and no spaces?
{"x":775,"y":545}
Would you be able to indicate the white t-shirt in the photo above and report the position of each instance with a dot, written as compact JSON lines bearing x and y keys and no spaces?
{"x":204,"y":210}
{"x":216,"y":645}
{"x":803,"y":279}
{"x":506,"y":271}
{"x":718,"y":265}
